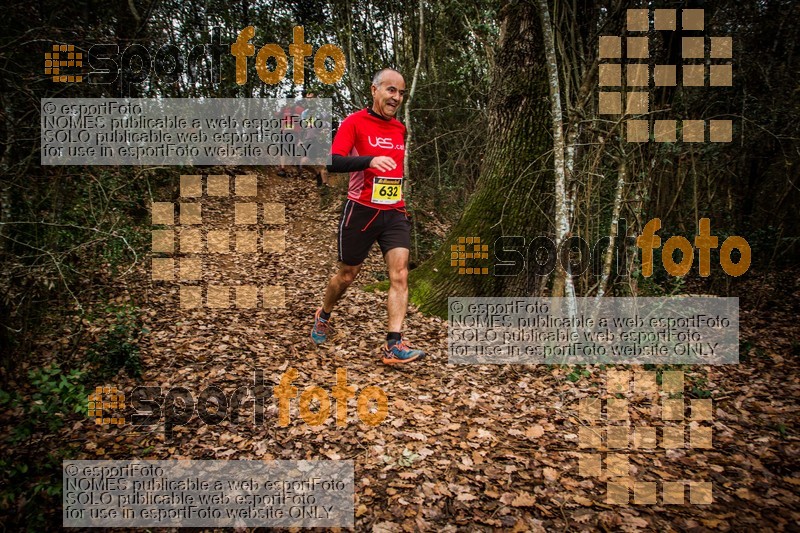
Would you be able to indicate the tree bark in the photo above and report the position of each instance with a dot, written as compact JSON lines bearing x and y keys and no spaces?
{"x":410,"y":99}
{"x":513,"y":195}
{"x":407,"y":121}
{"x":622,"y":176}
{"x":562,"y":283}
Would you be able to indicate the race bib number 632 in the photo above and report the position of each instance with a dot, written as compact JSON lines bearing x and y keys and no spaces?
{"x":387,"y":190}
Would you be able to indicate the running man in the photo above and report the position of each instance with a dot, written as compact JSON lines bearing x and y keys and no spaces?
{"x":370,"y":144}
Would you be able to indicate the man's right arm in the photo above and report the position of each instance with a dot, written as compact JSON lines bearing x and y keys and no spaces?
{"x":343,"y":144}
{"x":349,"y":163}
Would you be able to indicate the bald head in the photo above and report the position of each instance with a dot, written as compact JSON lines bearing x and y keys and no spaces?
{"x":379,"y":76}
{"x":388,"y":90}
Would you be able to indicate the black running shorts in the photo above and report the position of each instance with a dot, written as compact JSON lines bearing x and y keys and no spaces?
{"x":360,"y":226}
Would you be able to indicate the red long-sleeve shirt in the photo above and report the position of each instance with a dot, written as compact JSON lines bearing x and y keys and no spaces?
{"x":365,"y":133}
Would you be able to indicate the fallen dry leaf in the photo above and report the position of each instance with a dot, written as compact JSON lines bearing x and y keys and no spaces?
{"x":523,"y":499}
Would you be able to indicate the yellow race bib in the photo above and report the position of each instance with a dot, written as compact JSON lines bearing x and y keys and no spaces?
{"x":387,"y":190}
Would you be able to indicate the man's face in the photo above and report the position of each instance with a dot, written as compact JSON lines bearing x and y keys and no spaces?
{"x":387,"y":98}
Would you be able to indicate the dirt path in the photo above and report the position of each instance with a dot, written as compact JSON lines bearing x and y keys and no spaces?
{"x":462,"y":447}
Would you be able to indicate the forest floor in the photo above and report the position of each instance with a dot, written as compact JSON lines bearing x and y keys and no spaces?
{"x":463,"y":447}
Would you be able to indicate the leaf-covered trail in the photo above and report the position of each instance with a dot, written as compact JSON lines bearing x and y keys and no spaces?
{"x":462,"y":447}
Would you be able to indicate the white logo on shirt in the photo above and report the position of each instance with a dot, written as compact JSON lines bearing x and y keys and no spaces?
{"x":384,"y":142}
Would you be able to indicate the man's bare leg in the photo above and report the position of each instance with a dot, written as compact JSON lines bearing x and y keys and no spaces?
{"x":336,"y":288}
{"x":338,"y":284}
{"x":397,"y":264}
{"x":396,"y":351}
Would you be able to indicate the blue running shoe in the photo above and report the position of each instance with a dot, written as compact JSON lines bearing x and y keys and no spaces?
{"x":321,"y":329}
{"x":399,"y":352}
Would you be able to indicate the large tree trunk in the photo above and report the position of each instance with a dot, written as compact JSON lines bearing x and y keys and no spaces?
{"x":513,"y":196}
